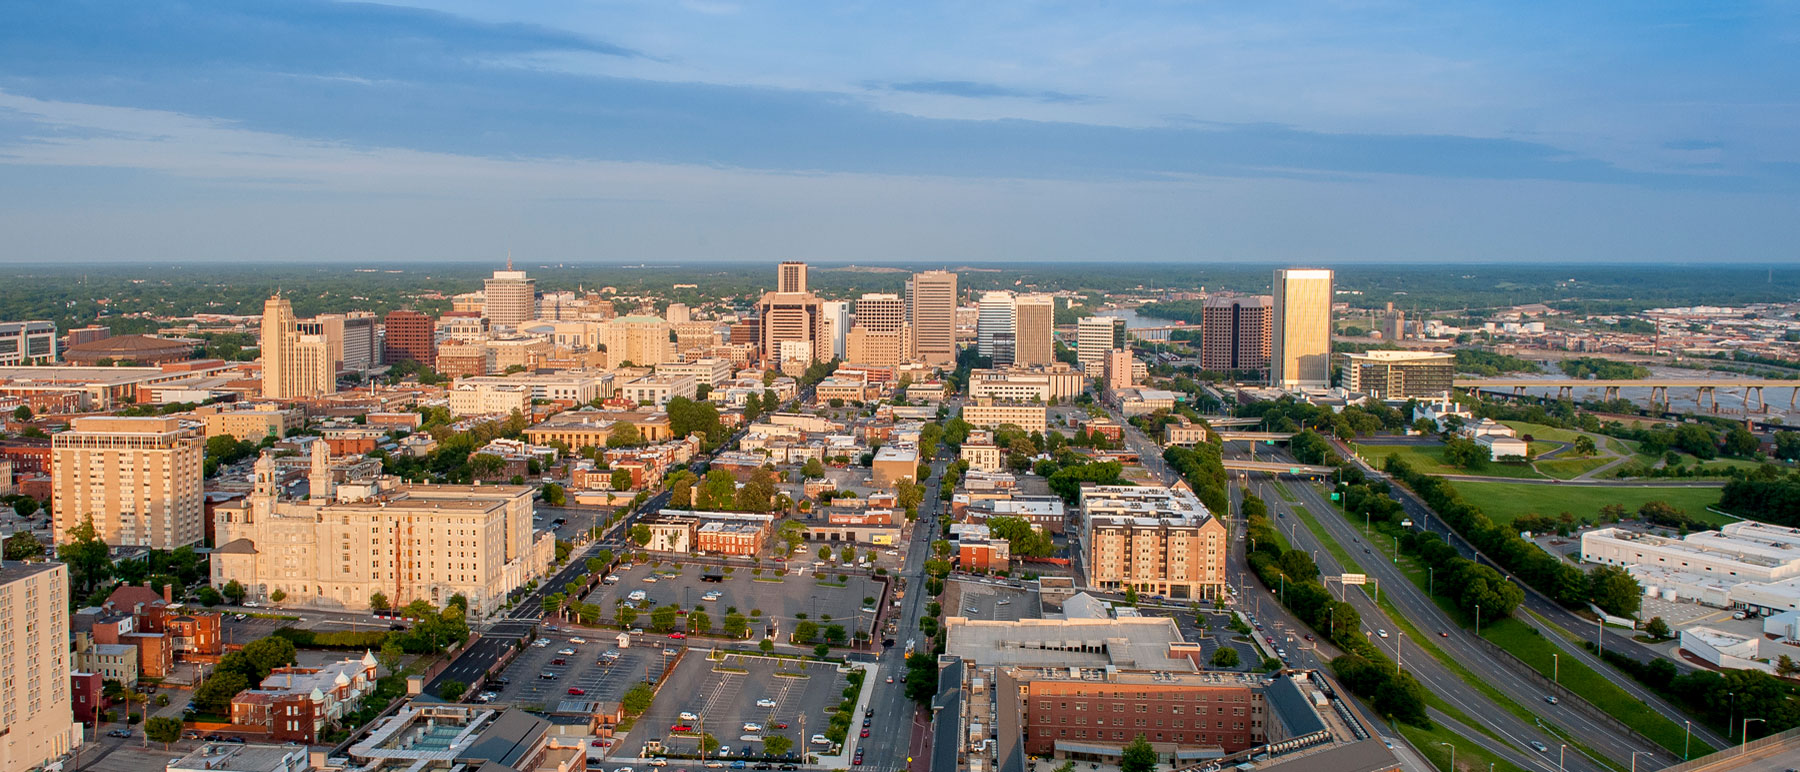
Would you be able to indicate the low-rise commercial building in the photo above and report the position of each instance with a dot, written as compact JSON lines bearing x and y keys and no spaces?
{"x":892,"y":464}
{"x":469,"y":399}
{"x":1399,"y":375}
{"x":251,"y":423}
{"x":1031,"y":418}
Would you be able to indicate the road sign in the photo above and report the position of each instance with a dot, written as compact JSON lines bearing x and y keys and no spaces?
{"x":1293,"y":470}
{"x":1337,"y":496}
{"x":1356,"y":579}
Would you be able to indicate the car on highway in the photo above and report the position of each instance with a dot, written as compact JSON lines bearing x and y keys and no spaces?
{"x":1382,"y":632}
{"x":1539,"y":747}
{"x":1443,"y":634}
{"x":1550,"y":698}
{"x":865,"y":733}
{"x":890,"y":679}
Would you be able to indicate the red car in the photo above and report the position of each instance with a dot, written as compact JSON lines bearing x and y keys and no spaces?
{"x":576,"y":690}
{"x":781,"y":560}
{"x":680,"y":728}
{"x":780,"y":725}
{"x":677,"y":636}
{"x":865,"y":733}
{"x":559,"y":661}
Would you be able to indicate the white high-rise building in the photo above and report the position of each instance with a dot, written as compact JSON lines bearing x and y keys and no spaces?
{"x":511,"y":298}
{"x":1301,"y":336}
{"x":996,"y":327}
{"x":837,"y":324}
{"x":1095,"y":337}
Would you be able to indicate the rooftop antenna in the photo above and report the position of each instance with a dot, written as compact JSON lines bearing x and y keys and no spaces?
{"x":508,"y":259}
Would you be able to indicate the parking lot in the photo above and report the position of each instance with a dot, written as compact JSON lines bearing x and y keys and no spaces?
{"x":598,"y":679}
{"x":1217,"y":634}
{"x":725,"y":696}
{"x":779,"y":599}
{"x":982,"y":600}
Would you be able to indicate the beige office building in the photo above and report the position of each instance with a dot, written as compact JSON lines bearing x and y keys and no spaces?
{"x":1034,"y":338}
{"x":933,"y":304}
{"x":251,"y":424}
{"x":640,"y":340}
{"x":141,"y":480}
{"x":37,"y":723}
{"x":1031,"y":418}
{"x":876,"y":349}
{"x":792,"y":329}
{"x":510,"y":298}
{"x":1301,"y":338}
{"x":1156,"y":540}
{"x":881,"y":312}
{"x":350,"y":339}
{"x":791,"y":277}
{"x":346,"y":542}
{"x":295,"y":365}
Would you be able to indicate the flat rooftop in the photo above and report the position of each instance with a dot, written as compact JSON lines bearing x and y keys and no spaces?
{"x":236,"y":757}
{"x":1133,"y":642}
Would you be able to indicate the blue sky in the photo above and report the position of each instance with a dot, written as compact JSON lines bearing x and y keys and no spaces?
{"x":665,"y":130}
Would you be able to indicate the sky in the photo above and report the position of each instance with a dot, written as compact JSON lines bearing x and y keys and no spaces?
{"x":663,"y":131}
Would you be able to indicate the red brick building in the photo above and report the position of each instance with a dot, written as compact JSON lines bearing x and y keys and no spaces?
{"x":984,"y":555}
{"x":87,"y":696}
{"x":1190,"y":710}
{"x":297,"y":704}
{"x":409,"y":335}
{"x":723,"y":537}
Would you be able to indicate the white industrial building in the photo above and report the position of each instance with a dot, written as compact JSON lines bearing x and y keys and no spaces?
{"x":1749,"y":565}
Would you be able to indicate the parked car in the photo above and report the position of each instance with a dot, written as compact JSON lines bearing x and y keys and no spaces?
{"x":577,"y":639}
{"x":765,"y":703}
{"x":566,"y":651}
{"x":577,"y":691}
{"x":677,"y":636}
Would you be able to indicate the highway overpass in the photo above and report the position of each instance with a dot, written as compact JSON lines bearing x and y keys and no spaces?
{"x":1659,"y":387}
{"x":1276,"y":467}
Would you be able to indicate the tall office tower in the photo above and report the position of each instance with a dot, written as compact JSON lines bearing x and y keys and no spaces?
{"x":409,"y":335}
{"x":296,"y":365}
{"x":1095,"y":337}
{"x":881,"y":312}
{"x":994,"y":320}
{"x":1300,"y":355}
{"x":837,"y":324}
{"x":511,"y":298}
{"x":28,"y":343}
{"x":139,"y":479}
{"x":934,"y":317}
{"x":791,"y":277}
{"x":350,"y":338}
{"x":1034,"y":330}
{"x":792,"y":323}
{"x":679,"y":313}
{"x":37,"y":720}
{"x":1393,"y":324}
{"x":1234,"y":333}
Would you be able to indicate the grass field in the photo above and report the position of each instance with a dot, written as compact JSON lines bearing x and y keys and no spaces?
{"x":1542,"y":432}
{"x":1430,"y":460}
{"x":1571,"y":467}
{"x":1529,"y":645}
{"x":1505,"y":501}
{"x":1469,"y":756}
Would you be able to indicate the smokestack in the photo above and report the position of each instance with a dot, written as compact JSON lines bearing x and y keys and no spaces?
{"x":168,"y":593}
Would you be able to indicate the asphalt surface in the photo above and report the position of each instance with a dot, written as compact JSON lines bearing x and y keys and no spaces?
{"x":1556,"y":615}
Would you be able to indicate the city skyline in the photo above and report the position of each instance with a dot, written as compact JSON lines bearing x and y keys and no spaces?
{"x":1170,"y":134}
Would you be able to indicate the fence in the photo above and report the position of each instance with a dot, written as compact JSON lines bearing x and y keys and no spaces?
{"x":1730,"y":755}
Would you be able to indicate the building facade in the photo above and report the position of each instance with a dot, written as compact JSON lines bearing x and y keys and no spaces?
{"x":141,"y":481}
{"x":995,"y":333}
{"x":1034,"y":330}
{"x":27,"y":343}
{"x":1235,"y":333}
{"x":1095,"y":337}
{"x":1153,"y":539}
{"x":36,"y":715}
{"x":1397,"y":375}
{"x":408,"y":334}
{"x":1300,"y":346}
{"x":1031,"y":418}
{"x":295,"y":365}
{"x":933,"y":310}
{"x":409,"y":542}
{"x":510,"y":298}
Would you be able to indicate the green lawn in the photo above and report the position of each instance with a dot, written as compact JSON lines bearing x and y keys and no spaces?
{"x":1469,"y":756}
{"x":1504,"y":501}
{"x":1567,"y":467}
{"x":1542,"y":432}
{"x":1529,"y":645}
{"x":1430,"y":460}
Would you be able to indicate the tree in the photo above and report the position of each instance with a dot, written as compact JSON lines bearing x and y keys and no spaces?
{"x":1138,"y":756}
{"x":208,"y":596}
{"x":640,"y":534}
{"x":765,"y":645}
{"x":1584,"y":446}
{"x":1131,"y":596}
{"x":812,"y":469}
{"x":554,"y":495}
{"x":1225,"y":657}
{"x":736,"y":625}
{"x":627,"y":615}
{"x":718,"y":491}
{"x":23,"y":546}
{"x":266,"y":654}
{"x":1787,"y":445}
{"x":637,"y":699}
{"x":699,"y":622}
{"x":278,"y":595}
{"x":835,"y":634}
{"x":621,"y":479}
{"x":1614,"y":590}
{"x":822,"y":650}
{"x":662,"y":619}
{"x":22,"y":413}
{"x":824,"y":552}
{"x":215,"y":695}
{"x":452,"y":689}
{"x":378,"y":601}
{"x":1740,"y":442}
{"x":388,"y":658}
{"x":805,"y":631}
{"x":89,"y":560}
{"x":1656,"y":628}
{"x":234,"y":591}
{"x":624,"y":435}
{"x":777,"y":744}
{"x":163,"y":729}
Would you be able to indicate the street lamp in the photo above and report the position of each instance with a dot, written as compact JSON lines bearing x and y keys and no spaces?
{"x":1477,"y":620}
{"x":1634,"y":755}
{"x":1559,"y":756}
{"x":1556,"y":669}
{"x":1687,"y":736}
{"x":1744,"y":740}
{"x":1452,"y":755}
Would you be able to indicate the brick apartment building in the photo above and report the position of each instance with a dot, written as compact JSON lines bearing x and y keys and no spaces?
{"x":1221,"y":710}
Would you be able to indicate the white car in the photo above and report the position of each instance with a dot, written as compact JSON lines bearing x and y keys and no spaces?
{"x":689,"y":716}
{"x":577,"y":639}
{"x":752,"y":726}
{"x":650,"y":580}
{"x":659,"y":762}
{"x":540,"y":643}
{"x":765,"y":703}
{"x":566,"y":651}
{"x":1004,"y":603}
{"x":1382,"y":633}
{"x":636,"y":595}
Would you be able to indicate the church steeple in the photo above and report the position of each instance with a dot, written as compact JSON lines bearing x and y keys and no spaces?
{"x":319,"y":477}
